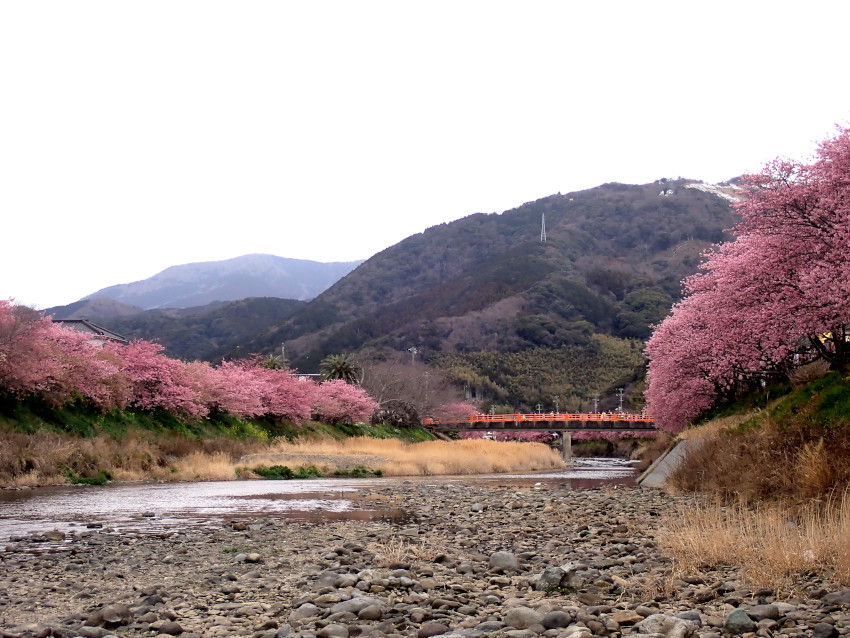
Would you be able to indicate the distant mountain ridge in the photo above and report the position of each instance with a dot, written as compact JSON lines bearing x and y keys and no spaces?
{"x":201,"y":283}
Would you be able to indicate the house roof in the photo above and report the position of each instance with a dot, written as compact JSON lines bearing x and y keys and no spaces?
{"x":84,"y":325}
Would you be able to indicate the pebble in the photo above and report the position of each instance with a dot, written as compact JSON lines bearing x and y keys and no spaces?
{"x":575,"y":564}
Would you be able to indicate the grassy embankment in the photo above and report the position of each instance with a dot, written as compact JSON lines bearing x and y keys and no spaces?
{"x":41,"y":446}
{"x":773,"y":475}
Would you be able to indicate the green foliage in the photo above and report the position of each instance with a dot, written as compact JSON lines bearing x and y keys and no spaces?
{"x":340,"y":366}
{"x":284,"y":472}
{"x":640,"y":310}
{"x":821,"y":404}
{"x":358,"y":472}
{"x":102,"y":477}
{"x":522,"y":379}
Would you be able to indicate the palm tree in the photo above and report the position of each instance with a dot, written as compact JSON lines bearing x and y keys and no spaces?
{"x":340,"y":366}
{"x":273,"y":362}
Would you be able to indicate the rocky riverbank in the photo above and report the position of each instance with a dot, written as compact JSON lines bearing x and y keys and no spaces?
{"x":470,"y":561}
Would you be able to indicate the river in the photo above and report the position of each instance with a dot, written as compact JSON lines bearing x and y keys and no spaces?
{"x":159,"y":507}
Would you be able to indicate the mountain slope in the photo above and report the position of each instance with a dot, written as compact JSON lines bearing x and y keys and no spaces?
{"x":611,"y":265}
{"x":206,"y":332}
{"x":200,"y":283}
{"x":603,"y":245}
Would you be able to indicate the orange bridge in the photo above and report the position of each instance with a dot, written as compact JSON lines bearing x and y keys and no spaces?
{"x":554,"y":422}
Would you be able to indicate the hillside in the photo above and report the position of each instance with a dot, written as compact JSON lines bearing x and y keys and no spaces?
{"x":611,"y":265}
{"x":512,"y":319}
{"x":201,"y":283}
{"x":206,"y":332}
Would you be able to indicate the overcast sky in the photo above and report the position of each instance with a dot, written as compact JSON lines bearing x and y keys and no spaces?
{"x":139,"y":135}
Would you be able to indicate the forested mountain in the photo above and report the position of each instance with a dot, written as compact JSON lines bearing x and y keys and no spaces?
{"x":483,"y":301}
{"x":206,"y":332}
{"x":610,"y":266}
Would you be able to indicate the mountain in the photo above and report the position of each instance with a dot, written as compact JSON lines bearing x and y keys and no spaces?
{"x":483,"y":301}
{"x":201,"y":283}
{"x":610,"y":267}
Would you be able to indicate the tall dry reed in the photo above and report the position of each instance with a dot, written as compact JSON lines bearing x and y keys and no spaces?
{"x":773,"y":542}
{"x":397,"y":458}
{"x":48,"y":458}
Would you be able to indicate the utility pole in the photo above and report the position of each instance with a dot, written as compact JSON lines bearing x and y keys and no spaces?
{"x":557,"y":410}
{"x":620,"y":392}
{"x":543,"y":227}
{"x":539,"y":407}
{"x":413,"y":352}
{"x":596,"y":404}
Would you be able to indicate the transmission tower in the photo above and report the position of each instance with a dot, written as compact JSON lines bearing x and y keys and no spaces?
{"x":543,"y":227}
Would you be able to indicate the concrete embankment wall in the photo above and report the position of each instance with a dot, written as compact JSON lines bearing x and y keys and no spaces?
{"x":656,"y":475}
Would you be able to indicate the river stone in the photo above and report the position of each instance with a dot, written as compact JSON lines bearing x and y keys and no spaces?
{"x":760,"y":612}
{"x":110,"y":616}
{"x":738,"y":622}
{"x":838,"y":598}
{"x":490,"y":626}
{"x":626,"y":617}
{"x":691,"y":615}
{"x":523,"y":617}
{"x":171,"y":628}
{"x":371,"y":612}
{"x":333,"y":631}
{"x":557,"y":620}
{"x":355,"y":605}
{"x":824,"y":630}
{"x":550,"y":579}
{"x":432,"y":629}
{"x":307,"y":610}
{"x":667,"y":626}
{"x":503,"y":561}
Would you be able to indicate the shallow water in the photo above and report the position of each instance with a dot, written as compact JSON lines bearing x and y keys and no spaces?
{"x":158,"y":507}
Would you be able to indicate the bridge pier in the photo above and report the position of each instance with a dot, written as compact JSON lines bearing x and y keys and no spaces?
{"x":566,"y":446}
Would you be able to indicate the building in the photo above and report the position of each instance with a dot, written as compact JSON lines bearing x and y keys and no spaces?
{"x":99,"y":335}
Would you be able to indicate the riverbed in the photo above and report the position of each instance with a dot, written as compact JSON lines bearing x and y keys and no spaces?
{"x":156,"y":507}
{"x":519,"y":557}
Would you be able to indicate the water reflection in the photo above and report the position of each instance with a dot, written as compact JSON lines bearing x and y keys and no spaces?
{"x":164,"y":506}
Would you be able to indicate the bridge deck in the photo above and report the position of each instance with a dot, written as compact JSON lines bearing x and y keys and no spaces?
{"x":573,"y":421}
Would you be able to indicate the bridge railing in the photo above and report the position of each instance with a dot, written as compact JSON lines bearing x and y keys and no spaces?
{"x":551,"y":416}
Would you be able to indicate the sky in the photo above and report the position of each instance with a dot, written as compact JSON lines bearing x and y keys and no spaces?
{"x":139,"y":135}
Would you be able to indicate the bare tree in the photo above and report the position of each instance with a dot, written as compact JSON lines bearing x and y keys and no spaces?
{"x":406,"y":390}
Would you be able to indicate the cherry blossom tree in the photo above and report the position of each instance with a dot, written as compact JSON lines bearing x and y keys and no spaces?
{"x":454,"y":412}
{"x":784,"y":281}
{"x":337,"y":401}
{"x":160,"y":382}
{"x":230,"y":388}
{"x":27,"y":354}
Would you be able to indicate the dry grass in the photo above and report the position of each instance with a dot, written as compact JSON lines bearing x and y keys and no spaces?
{"x":765,"y":463}
{"x":810,"y":372}
{"x":397,"y":458}
{"x":400,"y":550}
{"x":217,"y":466}
{"x":771,"y":542}
{"x":48,"y":458}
